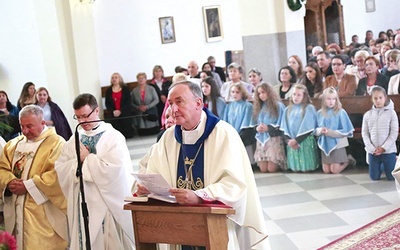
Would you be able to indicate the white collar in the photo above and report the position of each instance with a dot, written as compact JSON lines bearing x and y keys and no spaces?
{"x":191,"y":137}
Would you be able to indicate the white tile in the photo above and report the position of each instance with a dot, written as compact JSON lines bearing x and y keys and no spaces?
{"x":333,"y":231}
{"x":392,"y":197}
{"x":258,"y":174}
{"x":298,"y":177}
{"x":339,"y":192}
{"x":311,"y":239}
{"x":266,"y":191}
{"x":360,"y":178}
{"x":296,"y":210}
{"x":137,"y":151}
{"x":286,"y":188}
{"x":364,"y":216}
{"x":273,"y":228}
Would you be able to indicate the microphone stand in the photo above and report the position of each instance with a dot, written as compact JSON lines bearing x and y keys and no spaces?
{"x":85,"y":211}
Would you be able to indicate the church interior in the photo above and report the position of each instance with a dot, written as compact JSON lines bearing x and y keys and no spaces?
{"x":74,"y":46}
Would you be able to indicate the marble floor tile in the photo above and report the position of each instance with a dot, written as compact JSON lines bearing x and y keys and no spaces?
{"x":308,"y":210}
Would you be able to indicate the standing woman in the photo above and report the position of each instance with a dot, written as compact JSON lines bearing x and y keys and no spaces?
{"x":163,"y":85}
{"x":27,"y":95}
{"x":373,"y":78}
{"x":212,"y":98}
{"x":118,"y":102}
{"x":295,"y":62}
{"x":287,"y":77}
{"x":144,"y":101}
{"x":313,"y":80}
{"x":52,"y":114}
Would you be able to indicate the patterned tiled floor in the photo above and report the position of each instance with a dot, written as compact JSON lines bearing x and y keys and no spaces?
{"x":309,"y":210}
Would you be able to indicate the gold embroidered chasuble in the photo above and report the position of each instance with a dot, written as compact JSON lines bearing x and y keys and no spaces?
{"x":43,"y":225}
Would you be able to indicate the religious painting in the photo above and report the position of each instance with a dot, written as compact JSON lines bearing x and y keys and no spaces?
{"x":167,"y":29}
{"x":370,"y":5}
{"x":213,"y":23}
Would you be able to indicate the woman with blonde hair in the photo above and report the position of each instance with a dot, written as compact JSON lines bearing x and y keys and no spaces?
{"x":52,"y":113}
{"x":295,"y":62}
{"x":119,"y":103}
{"x":144,"y":101}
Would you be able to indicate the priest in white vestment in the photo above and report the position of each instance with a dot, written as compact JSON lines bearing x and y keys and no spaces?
{"x":205,"y":161}
{"x":106,"y":170}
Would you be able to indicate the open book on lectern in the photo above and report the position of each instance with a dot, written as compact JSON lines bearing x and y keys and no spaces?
{"x":157,"y":186}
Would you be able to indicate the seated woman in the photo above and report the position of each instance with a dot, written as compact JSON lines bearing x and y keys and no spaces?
{"x":295,"y":62}
{"x":286,"y":77}
{"x":255,"y":77}
{"x":207,"y":67}
{"x":313,"y":80}
{"x":359,"y":69}
{"x":394,"y":82}
{"x":161,"y":85}
{"x":144,"y":101}
{"x":52,"y":114}
{"x":343,"y":83}
{"x":119,"y":103}
{"x":27,"y":95}
{"x":373,"y":78}
{"x":392,"y":68}
{"x":9,"y":116}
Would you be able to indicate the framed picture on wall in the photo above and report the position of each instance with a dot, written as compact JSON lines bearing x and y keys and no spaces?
{"x":213,"y":23}
{"x":370,"y":5}
{"x":167,"y":29}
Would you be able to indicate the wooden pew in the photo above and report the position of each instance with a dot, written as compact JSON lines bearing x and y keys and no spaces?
{"x":131,"y":86}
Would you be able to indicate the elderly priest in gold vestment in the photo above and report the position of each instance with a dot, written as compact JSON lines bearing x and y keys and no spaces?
{"x":34,"y":205}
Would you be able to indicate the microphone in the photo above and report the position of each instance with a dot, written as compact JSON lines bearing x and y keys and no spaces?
{"x":146,"y":116}
{"x":85,"y":211}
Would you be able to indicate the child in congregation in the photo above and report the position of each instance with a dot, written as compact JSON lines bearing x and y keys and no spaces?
{"x":235,"y":76}
{"x":239,"y":112}
{"x":379,"y":130}
{"x":268,"y":111}
{"x":212,"y":99}
{"x":334,"y":126}
{"x":298,"y":124}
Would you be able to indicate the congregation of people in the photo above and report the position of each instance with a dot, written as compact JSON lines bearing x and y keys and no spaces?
{"x":39,"y":165}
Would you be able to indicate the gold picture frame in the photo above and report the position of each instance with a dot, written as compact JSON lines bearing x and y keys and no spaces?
{"x":213,"y":23}
{"x":167,"y":29}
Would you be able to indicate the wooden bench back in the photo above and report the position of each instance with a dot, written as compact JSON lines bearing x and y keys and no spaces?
{"x":357,"y":105}
{"x":131,"y":86}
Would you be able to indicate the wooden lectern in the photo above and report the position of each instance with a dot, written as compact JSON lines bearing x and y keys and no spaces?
{"x":161,"y":222}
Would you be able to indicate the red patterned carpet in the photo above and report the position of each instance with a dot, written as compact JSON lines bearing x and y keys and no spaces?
{"x":382,"y":233}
